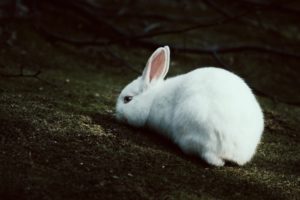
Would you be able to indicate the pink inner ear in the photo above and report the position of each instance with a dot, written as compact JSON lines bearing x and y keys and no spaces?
{"x":157,"y":65}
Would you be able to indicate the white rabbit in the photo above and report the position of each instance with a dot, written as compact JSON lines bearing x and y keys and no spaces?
{"x":208,"y":112}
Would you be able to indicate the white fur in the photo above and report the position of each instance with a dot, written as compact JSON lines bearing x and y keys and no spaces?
{"x":209,"y":112}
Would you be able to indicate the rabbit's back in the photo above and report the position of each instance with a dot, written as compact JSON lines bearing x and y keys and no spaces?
{"x":211,"y":110}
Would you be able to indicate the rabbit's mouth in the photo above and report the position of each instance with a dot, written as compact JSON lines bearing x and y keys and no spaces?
{"x":121,"y":118}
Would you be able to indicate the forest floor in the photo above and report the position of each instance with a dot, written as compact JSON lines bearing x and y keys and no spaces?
{"x":59,"y":138}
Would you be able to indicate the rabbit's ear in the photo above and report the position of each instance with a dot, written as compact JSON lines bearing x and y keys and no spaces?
{"x":157,"y":66}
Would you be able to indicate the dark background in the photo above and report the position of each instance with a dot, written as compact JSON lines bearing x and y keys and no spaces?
{"x":63,"y":64}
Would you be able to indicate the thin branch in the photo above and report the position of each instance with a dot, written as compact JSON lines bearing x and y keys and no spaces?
{"x":90,"y":13}
{"x":218,"y":8}
{"x":23,"y":75}
{"x":216,"y":22}
{"x":264,"y":94}
{"x":241,"y":48}
{"x":122,"y":61}
{"x":244,"y":48}
{"x":75,"y":42}
{"x":149,"y":44}
{"x":219,"y":60}
{"x":156,"y":16}
{"x":79,"y":43}
{"x":102,"y":11}
{"x":273,"y":6}
{"x":87,"y":12}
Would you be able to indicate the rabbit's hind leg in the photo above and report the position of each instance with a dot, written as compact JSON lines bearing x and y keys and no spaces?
{"x":193,"y":144}
{"x":212,"y":158}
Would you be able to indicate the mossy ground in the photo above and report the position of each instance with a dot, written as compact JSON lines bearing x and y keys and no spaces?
{"x":63,"y":142}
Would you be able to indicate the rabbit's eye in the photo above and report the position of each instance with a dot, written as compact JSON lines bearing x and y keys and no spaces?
{"x":127,"y":99}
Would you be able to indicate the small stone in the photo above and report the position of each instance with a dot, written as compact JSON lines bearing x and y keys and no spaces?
{"x":130,"y":174}
{"x":102,"y":183}
{"x":67,"y":80}
{"x":96,"y":94}
{"x":115,"y":177}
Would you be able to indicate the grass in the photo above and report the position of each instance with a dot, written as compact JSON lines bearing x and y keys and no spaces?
{"x":64,"y":143}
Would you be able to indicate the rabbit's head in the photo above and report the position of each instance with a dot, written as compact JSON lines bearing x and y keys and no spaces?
{"x":135,"y":100}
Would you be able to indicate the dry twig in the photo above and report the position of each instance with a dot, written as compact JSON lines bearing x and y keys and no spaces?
{"x":21,"y":74}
